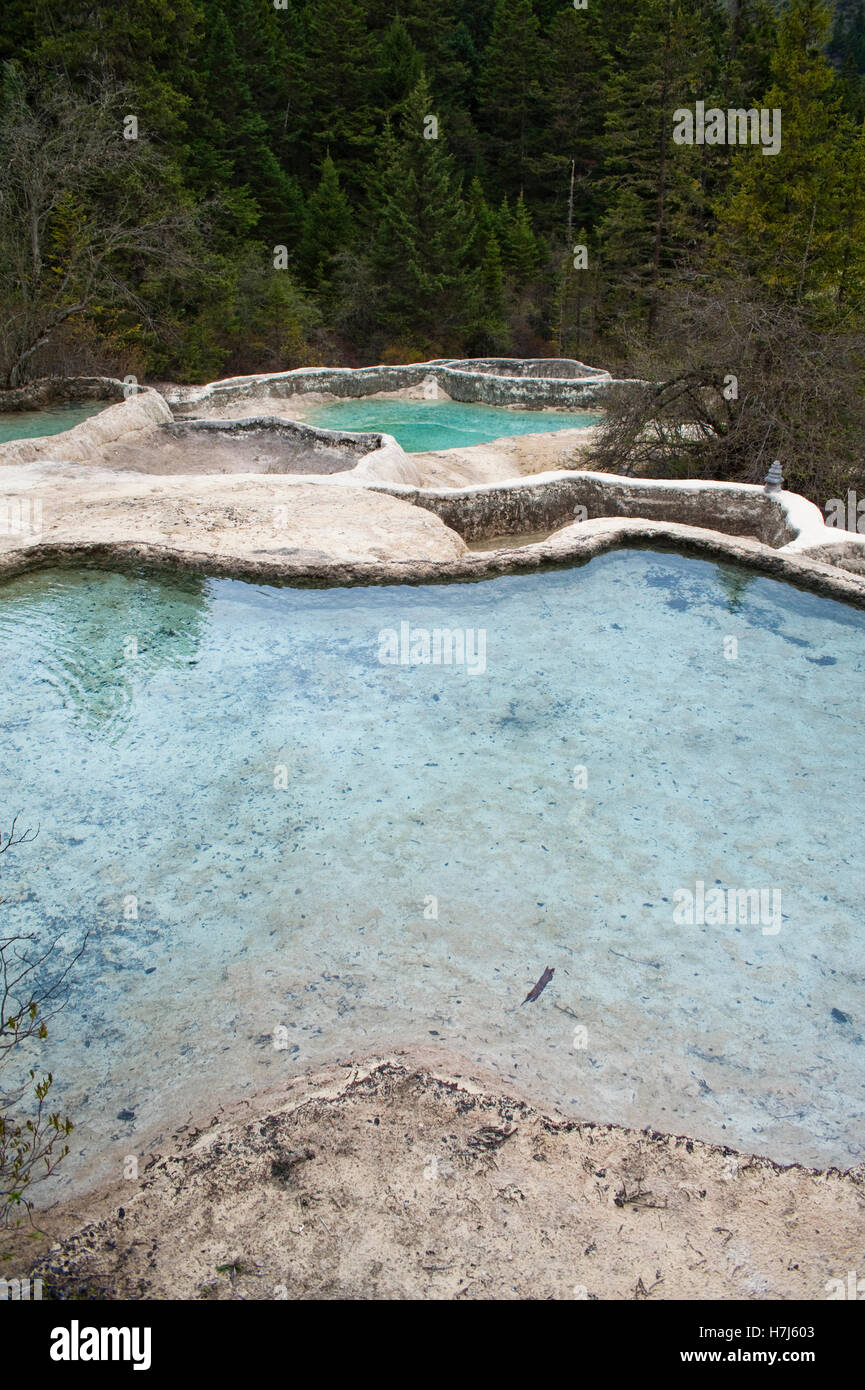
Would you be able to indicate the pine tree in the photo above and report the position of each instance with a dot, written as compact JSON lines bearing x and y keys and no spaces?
{"x":848,"y":35}
{"x":491,"y":333}
{"x":231,"y":147}
{"x":577,"y":298}
{"x":624,"y":248}
{"x":575,"y":98}
{"x":784,"y":219}
{"x":851,"y":86}
{"x":509,"y":116}
{"x":483,"y":220}
{"x":328,"y":227}
{"x":503,"y":224}
{"x":522,"y":255}
{"x":423,"y":235}
{"x":18,"y":33}
{"x":261,"y":37}
{"x":399,"y":66}
{"x":443,"y":35}
{"x":751,"y":42}
{"x":339,"y":80}
{"x":294,"y":138}
{"x":652,"y":186}
{"x":150,"y":49}
{"x":848,"y":268}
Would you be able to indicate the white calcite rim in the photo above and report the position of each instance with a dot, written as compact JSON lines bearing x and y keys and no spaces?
{"x":776,"y":531}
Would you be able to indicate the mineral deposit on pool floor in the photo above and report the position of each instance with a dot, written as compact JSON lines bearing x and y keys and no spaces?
{"x":285,"y":848}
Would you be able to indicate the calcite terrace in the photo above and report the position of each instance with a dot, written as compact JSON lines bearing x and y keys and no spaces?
{"x":223,"y":479}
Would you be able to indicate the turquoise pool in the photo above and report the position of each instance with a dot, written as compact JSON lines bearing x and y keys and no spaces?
{"x":422,"y":425}
{"x":279,"y":830}
{"x":29,"y":424}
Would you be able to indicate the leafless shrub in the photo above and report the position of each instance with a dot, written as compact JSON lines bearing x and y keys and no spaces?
{"x":32,"y":1137}
{"x":750,"y":382}
{"x":83,"y":211}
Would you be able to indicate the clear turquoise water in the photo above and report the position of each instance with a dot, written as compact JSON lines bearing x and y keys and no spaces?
{"x":29,"y":424}
{"x":421,"y":425}
{"x":223,"y":907}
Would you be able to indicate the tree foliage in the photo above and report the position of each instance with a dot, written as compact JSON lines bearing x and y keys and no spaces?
{"x":302,"y":125}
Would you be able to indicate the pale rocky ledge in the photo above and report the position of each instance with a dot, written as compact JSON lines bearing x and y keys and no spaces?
{"x":413,"y":1176}
{"x":228,"y":479}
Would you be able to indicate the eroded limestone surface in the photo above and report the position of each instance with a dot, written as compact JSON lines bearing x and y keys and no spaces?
{"x":409,"y":1177}
{"x":135,"y":484}
{"x":263,"y":521}
{"x":489,"y":381}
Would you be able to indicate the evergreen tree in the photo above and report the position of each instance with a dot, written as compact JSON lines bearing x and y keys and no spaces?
{"x":399,"y":66}
{"x":483,"y":220}
{"x":261,"y":37}
{"x":295,"y":137}
{"x":624,"y":248}
{"x":575,"y":99}
{"x":750,"y":45}
{"x":785,"y":220}
{"x":851,"y":87}
{"x":522,"y":255}
{"x":150,"y":49}
{"x":443,"y":36}
{"x":423,"y":234}
{"x":848,"y":268}
{"x":339,"y":79}
{"x":275,"y":317}
{"x":492,"y":329}
{"x":489,"y":333}
{"x":231,"y":147}
{"x":328,"y":227}
{"x":503,"y":222}
{"x":577,"y":298}
{"x":652,"y":186}
{"x":510,"y":96}
{"x":848,"y":35}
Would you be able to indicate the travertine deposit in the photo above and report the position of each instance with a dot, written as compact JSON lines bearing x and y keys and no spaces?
{"x":211,"y":484}
{"x":415,"y":1177}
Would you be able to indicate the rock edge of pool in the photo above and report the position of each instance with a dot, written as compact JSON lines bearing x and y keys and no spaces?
{"x":195,"y":479}
{"x":406,"y":1176}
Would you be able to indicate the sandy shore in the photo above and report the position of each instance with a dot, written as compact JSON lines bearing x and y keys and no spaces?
{"x":405,"y":1177}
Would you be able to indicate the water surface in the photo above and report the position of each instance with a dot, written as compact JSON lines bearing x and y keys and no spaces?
{"x":270,"y":834}
{"x":29,"y":424}
{"x":422,"y":425}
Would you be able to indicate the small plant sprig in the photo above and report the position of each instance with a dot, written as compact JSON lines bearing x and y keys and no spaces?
{"x":31,"y":1146}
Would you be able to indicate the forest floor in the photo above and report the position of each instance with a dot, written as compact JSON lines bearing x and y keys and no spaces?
{"x":416,"y":1177}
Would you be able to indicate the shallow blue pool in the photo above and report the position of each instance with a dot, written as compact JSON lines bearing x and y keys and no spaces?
{"x":422,"y":425}
{"x":290,"y":840}
{"x":29,"y":424}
